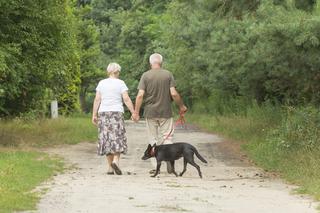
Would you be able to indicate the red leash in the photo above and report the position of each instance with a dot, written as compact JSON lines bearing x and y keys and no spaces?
{"x":181,"y":121}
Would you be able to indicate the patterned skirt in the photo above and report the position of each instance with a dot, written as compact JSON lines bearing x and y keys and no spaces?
{"x":112,"y":133}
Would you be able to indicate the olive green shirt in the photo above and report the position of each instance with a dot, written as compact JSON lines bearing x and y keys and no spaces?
{"x":156,"y":84}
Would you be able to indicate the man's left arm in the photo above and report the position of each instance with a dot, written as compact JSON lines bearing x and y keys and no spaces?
{"x":178,"y":100}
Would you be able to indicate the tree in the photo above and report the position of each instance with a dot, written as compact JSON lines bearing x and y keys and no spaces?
{"x":38,"y":56}
{"x":89,"y":51}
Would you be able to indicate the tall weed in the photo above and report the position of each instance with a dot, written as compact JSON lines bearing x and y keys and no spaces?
{"x":47,"y":132}
{"x":300,"y":129}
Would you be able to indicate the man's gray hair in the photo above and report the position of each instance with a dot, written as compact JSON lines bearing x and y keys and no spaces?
{"x":113,"y":67}
{"x":155,"y":58}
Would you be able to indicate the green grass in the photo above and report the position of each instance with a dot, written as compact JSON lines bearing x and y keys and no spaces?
{"x":20,"y":173}
{"x":286,"y":141}
{"x":47,"y":132}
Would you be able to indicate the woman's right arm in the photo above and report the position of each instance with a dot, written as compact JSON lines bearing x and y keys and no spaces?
{"x":128,"y":102}
{"x":96,"y":104}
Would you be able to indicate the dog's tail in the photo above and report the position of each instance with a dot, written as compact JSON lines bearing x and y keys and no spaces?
{"x":199,"y":156}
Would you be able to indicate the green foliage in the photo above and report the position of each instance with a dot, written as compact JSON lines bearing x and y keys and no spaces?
{"x":21,"y":172}
{"x":248,"y":50}
{"x":89,"y":51}
{"x":236,"y":9}
{"x":292,"y":149}
{"x":267,"y":53}
{"x":306,"y":5}
{"x":38,"y":56}
{"x":105,"y":13}
{"x":300,"y":130}
{"x":128,"y":29}
{"x":255,"y":122}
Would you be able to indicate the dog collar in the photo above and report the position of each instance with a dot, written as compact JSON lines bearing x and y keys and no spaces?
{"x":152,"y":153}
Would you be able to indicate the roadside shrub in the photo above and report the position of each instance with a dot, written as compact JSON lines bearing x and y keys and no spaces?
{"x":300,"y":129}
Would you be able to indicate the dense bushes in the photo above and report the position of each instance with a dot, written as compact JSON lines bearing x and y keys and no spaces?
{"x":234,"y":53}
{"x":48,"y":50}
{"x":244,"y":51}
{"x":266,"y":55}
{"x":38,"y":56}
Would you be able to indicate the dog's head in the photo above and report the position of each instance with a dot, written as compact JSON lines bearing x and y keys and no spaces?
{"x":149,"y":153}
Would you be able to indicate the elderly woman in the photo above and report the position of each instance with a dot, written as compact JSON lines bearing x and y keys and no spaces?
{"x":108,"y":116}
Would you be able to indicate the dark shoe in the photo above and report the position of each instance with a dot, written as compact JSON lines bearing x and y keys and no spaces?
{"x":110,"y":173}
{"x":116,"y":169}
{"x":169,"y":167}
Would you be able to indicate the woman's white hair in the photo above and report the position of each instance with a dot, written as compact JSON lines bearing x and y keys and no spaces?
{"x":113,"y":67}
{"x":155,"y":58}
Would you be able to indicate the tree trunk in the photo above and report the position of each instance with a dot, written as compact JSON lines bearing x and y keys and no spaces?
{"x":82,"y":98}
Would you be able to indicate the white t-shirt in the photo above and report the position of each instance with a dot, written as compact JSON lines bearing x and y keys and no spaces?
{"x":111,"y":90}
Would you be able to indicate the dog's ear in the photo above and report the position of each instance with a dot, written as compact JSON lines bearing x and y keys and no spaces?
{"x":154,"y":145}
{"x":149,"y":146}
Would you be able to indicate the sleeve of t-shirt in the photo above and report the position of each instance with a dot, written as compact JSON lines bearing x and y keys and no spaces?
{"x":123,"y":87}
{"x":142,"y":84}
{"x":172,"y":81}
{"x":98,"y":88}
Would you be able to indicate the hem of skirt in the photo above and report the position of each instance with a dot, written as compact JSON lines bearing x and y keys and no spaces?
{"x":99,"y":113}
{"x":112,"y":153}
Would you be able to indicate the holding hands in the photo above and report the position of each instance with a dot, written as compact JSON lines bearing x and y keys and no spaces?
{"x":135,"y":110}
{"x":135,"y":117}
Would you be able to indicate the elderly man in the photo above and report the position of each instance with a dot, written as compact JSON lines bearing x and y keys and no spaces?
{"x":157,"y":86}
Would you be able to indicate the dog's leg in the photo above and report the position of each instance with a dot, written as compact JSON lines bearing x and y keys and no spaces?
{"x":173,"y":169}
{"x":184,"y":166}
{"x":191,"y":161}
{"x":157,"y":170}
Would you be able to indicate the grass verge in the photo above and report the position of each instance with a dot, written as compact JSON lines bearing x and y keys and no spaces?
{"x":20,"y":173}
{"x":47,"y":132}
{"x":284,"y":141}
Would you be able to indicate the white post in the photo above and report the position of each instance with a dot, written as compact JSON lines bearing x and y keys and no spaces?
{"x":54,"y":109}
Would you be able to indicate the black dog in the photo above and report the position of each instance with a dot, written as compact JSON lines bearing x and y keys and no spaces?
{"x":172,"y":152}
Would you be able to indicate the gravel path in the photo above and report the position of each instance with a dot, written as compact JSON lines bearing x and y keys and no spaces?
{"x":229,"y":185}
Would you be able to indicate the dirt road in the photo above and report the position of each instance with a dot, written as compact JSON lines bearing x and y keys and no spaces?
{"x":228,"y":185}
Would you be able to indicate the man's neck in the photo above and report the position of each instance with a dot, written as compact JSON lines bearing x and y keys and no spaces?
{"x":155,"y":66}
